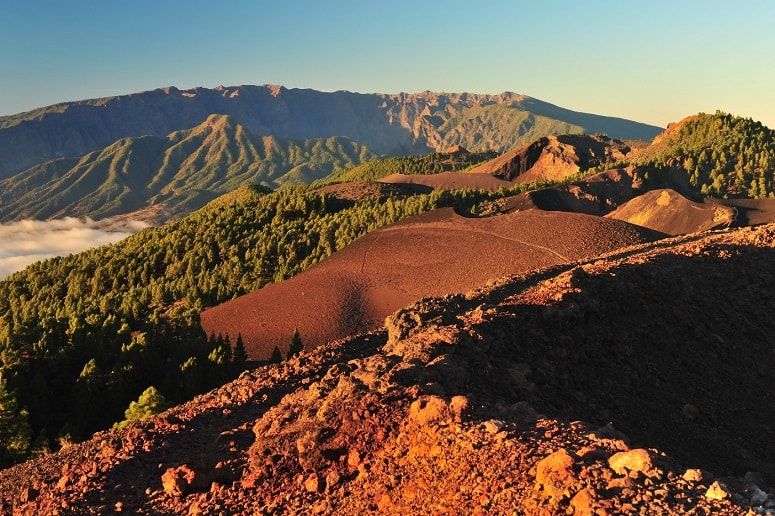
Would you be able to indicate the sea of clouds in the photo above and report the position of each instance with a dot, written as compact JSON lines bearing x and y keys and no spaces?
{"x":27,"y":241}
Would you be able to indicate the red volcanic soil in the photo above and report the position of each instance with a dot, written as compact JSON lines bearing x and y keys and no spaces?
{"x":433,"y":254}
{"x":450,"y":181}
{"x":669,"y":212}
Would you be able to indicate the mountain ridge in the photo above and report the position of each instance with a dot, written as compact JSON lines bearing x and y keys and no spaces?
{"x":177,"y":173}
{"x":389,"y":124}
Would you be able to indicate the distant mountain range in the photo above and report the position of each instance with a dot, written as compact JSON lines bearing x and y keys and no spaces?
{"x":398,"y":124}
{"x":175,"y":174}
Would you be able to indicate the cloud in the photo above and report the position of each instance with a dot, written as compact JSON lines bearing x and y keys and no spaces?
{"x":27,"y":241}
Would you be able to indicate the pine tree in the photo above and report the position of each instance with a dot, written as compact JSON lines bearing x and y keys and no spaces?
{"x":296,"y":346}
{"x":240,"y":354}
{"x":277,"y":356}
{"x":15,"y":432}
{"x":150,"y":403}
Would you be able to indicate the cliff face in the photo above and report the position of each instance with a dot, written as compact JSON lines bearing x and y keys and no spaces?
{"x":388,"y":124}
{"x":554,"y":157}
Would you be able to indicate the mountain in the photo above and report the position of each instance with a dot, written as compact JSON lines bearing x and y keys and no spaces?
{"x":553,"y":158}
{"x":176,"y":174}
{"x":396,"y":124}
{"x":633,"y":383}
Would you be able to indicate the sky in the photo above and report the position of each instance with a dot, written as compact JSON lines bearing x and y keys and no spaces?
{"x":653,"y":61}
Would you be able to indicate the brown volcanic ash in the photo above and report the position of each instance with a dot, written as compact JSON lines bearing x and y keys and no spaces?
{"x":669,"y":212}
{"x":433,"y":254}
{"x":511,"y":398}
{"x":554,"y":158}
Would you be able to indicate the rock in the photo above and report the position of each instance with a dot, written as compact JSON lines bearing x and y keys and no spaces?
{"x":332,"y":479}
{"x":555,"y":475}
{"x":694,"y":475}
{"x":182,"y":480}
{"x":583,"y":503}
{"x":637,"y":461}
{"x":717,"y":491}
{"x":429,"y":410}
{"x":756,"y":495}
{"x":458,"y":405}
{"x":494,"y":426}
{"x":313,"y":484}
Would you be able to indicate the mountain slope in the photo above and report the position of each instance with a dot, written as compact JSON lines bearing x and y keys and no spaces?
{"x":722,"y":155}
{"x":669,"y":212}
{"x":513,"y":397}
{"x":179,"y":173}
{"x":388,"y":124}
{"x":553,"y":158}
{"x":432,"y":254}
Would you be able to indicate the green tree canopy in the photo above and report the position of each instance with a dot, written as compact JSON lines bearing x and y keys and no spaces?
{"x":150,"y":403}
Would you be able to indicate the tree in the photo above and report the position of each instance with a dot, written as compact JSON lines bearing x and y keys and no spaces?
{"x":15,"y":432}
{"x":150,"y":403}
{"x":276,"y":357}
{"x":296,"y":346}
{"x":240,"y":355}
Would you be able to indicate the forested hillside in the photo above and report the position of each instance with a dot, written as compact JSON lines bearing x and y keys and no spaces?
{"x":456,"y":160}
{"x":178,"y":173}
{"x":723,"y":155}
{"x":81,"y":336}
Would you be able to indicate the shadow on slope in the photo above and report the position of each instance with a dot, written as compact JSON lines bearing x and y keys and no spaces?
{"x":675,"y":350}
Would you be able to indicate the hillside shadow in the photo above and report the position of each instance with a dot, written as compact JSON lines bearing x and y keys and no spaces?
{"x":677,"y":353}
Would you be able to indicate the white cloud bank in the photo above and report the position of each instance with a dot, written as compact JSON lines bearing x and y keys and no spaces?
{"x":27,"y":241}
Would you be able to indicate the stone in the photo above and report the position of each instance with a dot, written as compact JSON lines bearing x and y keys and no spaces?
{"x":182,"y":480}
{"x":693,"y":475}
{"x":717,"y":491}
{"x":555,"y":475}
{"x":332,"y":479}
{"x":493,"y":426}
{"x":458,"y":405}
{"x":429,"y":410}
{"x":637,"y":460}
{"x":583,"y":503}
{"x":756,"y":495}
{"x":312,"y":484}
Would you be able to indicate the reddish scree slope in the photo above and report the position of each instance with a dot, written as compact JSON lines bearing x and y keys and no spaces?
{"x":433,"y":254}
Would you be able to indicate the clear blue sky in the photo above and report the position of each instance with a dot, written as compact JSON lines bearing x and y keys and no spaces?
{"x":651,"y":61}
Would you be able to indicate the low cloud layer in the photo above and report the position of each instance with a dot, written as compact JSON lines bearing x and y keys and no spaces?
{"x":27,"y":241}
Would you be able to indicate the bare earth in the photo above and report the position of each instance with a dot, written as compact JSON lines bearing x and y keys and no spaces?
{"x":639,"y":382}
{"x":433,"y":254}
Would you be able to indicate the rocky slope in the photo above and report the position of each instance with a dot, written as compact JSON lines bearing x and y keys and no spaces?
{"x":388,"y":124}
{"x":636,"y":382}
{"x":553,"y":158}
